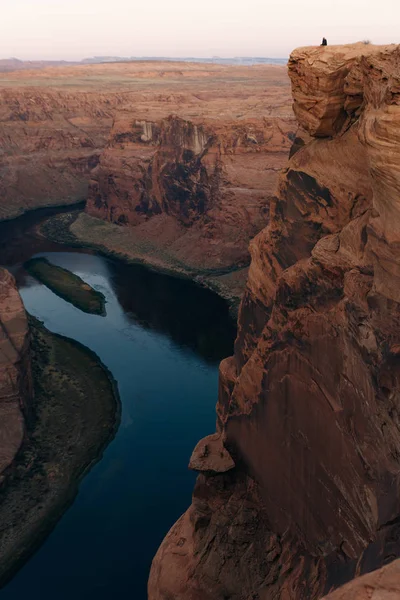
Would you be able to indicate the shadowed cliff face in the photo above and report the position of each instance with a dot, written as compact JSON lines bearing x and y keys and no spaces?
{"x":308,"y":406}
{"x":15,"y":370}
{"x":160,"y":170}
{"x":200,"y":188}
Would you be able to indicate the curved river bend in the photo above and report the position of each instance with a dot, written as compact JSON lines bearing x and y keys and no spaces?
{"x":162,"y":339}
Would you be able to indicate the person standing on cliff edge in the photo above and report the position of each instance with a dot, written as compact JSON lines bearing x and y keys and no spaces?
{"x":324,"y":42}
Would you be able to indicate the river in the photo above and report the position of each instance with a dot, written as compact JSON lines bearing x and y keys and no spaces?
{"x":162,"y":338}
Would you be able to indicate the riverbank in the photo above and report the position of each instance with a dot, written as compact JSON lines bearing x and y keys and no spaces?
{"x":114,"y":241}
{"x":75,"y":414}
{"x":9,"y":213}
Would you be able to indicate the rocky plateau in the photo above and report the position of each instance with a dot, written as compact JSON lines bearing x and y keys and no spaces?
{"x":178,"y":162}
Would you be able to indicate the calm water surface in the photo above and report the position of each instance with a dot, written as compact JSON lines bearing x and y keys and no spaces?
{"x":162,"y":339}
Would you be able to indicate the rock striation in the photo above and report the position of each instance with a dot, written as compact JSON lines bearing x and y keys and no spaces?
{"x":15,"y":370}
{"x":308,"y":406}
{"x":182,"y":159}
{"x":198,"y":187}
{"x":49,"y":142}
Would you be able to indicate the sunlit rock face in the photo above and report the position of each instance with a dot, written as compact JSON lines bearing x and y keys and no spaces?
{"x":308,"y":406}
{"x":328,"y":85}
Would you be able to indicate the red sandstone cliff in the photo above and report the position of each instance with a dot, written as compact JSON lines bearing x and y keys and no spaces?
{"x":299,"y":491}
{"x":49,"y":142}
{"x":198,"y":187}
{"x":15,"y":370}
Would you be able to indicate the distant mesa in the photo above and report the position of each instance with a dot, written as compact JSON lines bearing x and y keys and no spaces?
{"x":15,"y":64}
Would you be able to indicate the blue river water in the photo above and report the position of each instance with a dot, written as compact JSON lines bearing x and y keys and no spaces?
{"x":162,"y":339}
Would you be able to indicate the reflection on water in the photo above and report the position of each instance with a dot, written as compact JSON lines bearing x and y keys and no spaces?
{"x":190,"y":315}
{"x":162,"y":339}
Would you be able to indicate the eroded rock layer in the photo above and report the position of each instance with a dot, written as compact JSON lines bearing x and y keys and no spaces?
{"x":182,"y":159}
{"x":15,"y":370}
{"x":198,"y":187}
{"x":308,"y":406}
{"x":49,"y":142}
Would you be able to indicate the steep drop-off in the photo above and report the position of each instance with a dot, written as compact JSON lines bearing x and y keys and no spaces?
{"x":15,"y":370}
{"x":308,"y":407}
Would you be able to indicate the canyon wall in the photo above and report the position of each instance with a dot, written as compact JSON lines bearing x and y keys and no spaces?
{"x":15,"y":370}
{"x":199,"y":188}
{"x":298,"y":491}
{"x":181,"y":159}
{"x":49,"y":142}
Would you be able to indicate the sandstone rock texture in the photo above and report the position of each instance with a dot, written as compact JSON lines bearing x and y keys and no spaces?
{"x":15,"y":370}
{"x":211,"y":455}
{"x":181,"y":159}
{"x":49,"y":141}
{"x":308,"y":406}
{"x":198,"y":182}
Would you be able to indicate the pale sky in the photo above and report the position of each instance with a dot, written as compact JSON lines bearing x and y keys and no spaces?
{"x":75,"y":29}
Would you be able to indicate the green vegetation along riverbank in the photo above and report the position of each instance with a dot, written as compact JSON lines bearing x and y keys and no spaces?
{"x":83,"y":231}
{"x":74,"y":415}
{"x":67,"y":285}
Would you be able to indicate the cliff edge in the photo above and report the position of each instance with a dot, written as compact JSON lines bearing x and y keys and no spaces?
{"x":15,"y":370}
{"x":308,"y":406}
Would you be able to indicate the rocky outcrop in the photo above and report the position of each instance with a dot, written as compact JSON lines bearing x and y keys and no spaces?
{"x":49,"y":142}
{"x":200,"y":188}
{"x":15,"y":370}
{"x":211,"y":456}
{"x":328,"y":87}
{"x":308,"y":406}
